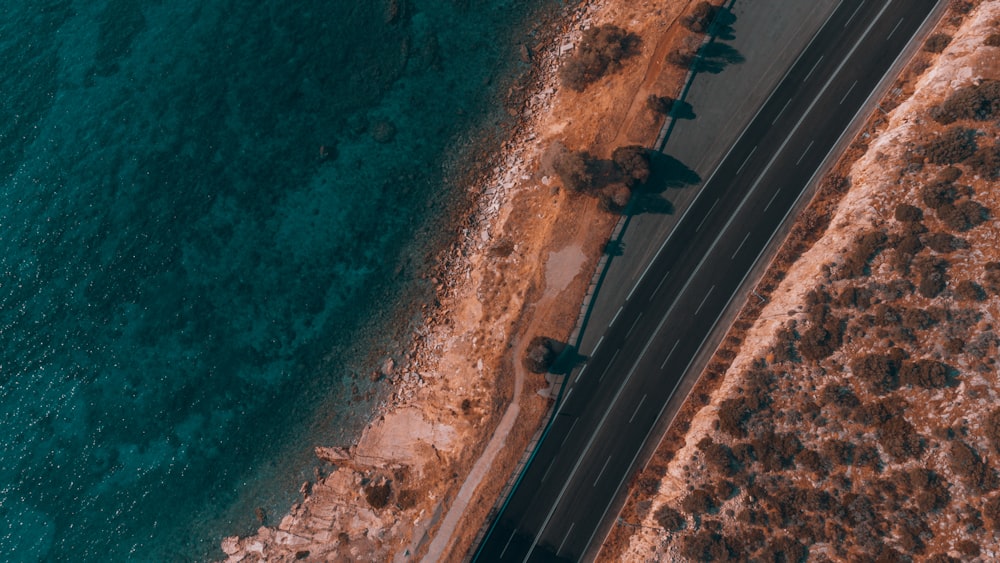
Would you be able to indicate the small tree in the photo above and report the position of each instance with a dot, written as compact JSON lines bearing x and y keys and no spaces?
{"x":681,"y":57}
{"x":633,"y":162}
{"x":572,"y":167}
{"x":700,"y":19}
{"x":539,"y":355}
{"x":659,"y":104}
{"x":601,"y":51}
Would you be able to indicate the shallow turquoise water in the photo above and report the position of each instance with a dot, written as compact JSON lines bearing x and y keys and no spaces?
{"x":196,"y":223}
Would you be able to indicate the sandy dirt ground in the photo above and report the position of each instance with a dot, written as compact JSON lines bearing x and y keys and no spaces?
{"x":854,"y":416}
{"x":522,"y":269}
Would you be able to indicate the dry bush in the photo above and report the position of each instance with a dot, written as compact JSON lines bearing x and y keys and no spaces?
{"x":943,"y":243}
{"x":951,"y":147}
{"x":991,"y":277}
{"x":948,"y":174}
{"x":976,"y":101}
{"x":783,"y":548}
{"x":975,"y":473}
{"x":968,"y":548}
{"x":900,"y":439}
{"x":838,"y":395}
{"x":925,"y":373}
{"x":968,"y":290}
{"x":854,"y":296}
{"x":669,"y":518}
{"x":933,"y":275}
{"x":783,"y":349}
{"x":733,"y":414}
{"x":865,"y":247}
{"x":936,"y":194}
{"x":700,"y":501}
{"x":992,"y":40}
{"x":991,"y":510}
{"x":776,"y":451}
{"x":877,"y":371}
{"x":572,"y":167}
{"x":707,"y":545}
{"x":963,"y":215}
{"x":908,"y":213}
{"x":407,"y":499}
{"x":986,"y":162}
{"x":991,"y":427}
{"x":718,"y":457}
{"x":823,"y":336}
{"x":378,"y":495}
{"x":916,"y":319}
{"x":937,"y":42}
{"x":601,"y":51}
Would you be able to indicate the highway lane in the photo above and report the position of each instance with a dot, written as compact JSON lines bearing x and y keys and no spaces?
{"x":615,"y":400}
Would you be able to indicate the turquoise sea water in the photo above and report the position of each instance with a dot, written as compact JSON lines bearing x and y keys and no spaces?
{"x":205,"y":208}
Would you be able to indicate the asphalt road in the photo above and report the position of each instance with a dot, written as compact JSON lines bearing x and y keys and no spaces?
{"x":613,"y":403}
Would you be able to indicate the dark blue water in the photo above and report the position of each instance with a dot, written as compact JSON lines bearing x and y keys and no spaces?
{"x":206,"y":209}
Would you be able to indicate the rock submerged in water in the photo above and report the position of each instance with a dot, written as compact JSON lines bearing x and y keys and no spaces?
{"x":383,"y":131}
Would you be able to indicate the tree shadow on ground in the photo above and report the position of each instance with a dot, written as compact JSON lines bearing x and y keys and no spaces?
{"x":567,"y":359}
{"x":651,"y":203}
{"x":715,"y":57}
{"x":665,"y":172}
{"x":722,"y":26}
{"x":614,"y":248}
{"x":668,"y":172}
{"x":682,"y":110}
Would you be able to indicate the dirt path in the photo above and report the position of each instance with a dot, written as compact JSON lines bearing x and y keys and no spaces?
{"x":635,"y":125}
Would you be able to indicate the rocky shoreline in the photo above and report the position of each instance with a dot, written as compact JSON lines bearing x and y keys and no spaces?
{"x":379,"y":498}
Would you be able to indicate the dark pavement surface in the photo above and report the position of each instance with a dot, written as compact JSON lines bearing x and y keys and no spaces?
{"x":614,"y":402}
